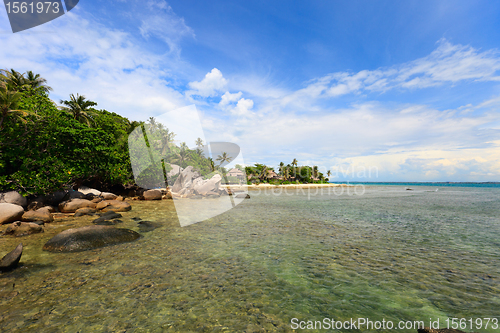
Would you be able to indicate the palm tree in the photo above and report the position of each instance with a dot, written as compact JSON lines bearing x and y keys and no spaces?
{"x":223,"y":158}
{"x":35,"y":81}
{"x":328,"y":173}
{"x":79,"y":107}
{"x":9,"y":105}
{"x":182,"y":156}
{"x":212,"y":165}
{"x":199,"y":142}
{"x":295,"y":162}
{"x":14,"y":80}
{"x":281,"y":169}
{"x":166,"y":140}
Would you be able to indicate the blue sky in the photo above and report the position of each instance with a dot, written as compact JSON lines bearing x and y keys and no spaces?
{"x":409,"y":90}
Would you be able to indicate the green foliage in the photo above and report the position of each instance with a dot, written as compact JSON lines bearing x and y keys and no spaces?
{"x":56,"y":151}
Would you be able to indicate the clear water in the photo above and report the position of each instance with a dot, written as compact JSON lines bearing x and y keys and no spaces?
{"x":387,"y":254}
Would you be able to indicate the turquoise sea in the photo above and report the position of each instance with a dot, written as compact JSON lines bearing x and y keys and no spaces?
{"x":384,"y":253}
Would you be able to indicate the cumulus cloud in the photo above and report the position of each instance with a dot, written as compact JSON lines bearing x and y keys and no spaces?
{"x":228,"y":98}
{"x":213,"y":83}
{"x":243,"y":107}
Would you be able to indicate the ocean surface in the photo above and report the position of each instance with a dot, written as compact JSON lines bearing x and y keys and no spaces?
{"x":375,"y":252}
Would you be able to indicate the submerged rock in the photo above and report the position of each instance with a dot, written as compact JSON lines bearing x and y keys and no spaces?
{"x":10,"y":212}
{"x":87,"y":238}
{"x":145,"y":226}
{"x":242,"y":196}
{"x":108,"y":216}
{"x":11,"y":259}
{"x":23,"y":229}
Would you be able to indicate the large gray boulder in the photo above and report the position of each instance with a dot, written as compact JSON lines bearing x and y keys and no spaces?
{"x":11,"y":259}
{"x":72,"y":205}
{"x":10,"y":212}
{"x":152,"y":195}
{"x":14,"y":198}
{"x":23,"y":229}
{"x":175,"y":170}
{"x":212,"y":185}
{"x":91,"y":237}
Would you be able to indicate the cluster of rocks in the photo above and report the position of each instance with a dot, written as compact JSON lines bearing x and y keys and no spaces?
{"x":25,"y":218}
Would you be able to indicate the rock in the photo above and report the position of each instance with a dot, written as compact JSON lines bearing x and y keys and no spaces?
{"x":75,"y":195}
{"x":108,"y":196}
{"x":167,"y":196}
{"x":22,"y":229}
{"x":11,"y":259}
{"x":91,"y":237}
{"x":196,"y":196}
{"x":72,"y":205}
{"x":212,"y":194}
{"x":146,"y":226}
{"x":211,"y":185}
{"x":97,"y":199}
{"x":136,"y":219}
{"x":87,"y":190}
{"x":109,"y":222}
{"x":85,"y":211}
{"x":53,"y":199}
{"x":38,"y":215}
{"x":14,"y":198}
{"x":242,"y":196}
{"x":152,"y":195}
{"x":107,"y":217}
{"x":49,"y":209}
{"x":10,"y":212}
{"x":175,"y":170}
{"x":120,"y":198}
{"x":114,"y":205}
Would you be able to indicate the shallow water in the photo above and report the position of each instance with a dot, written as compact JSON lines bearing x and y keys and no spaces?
{"x":386,"y":254}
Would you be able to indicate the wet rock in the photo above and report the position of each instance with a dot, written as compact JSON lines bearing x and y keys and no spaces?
{"x":108,"y":196}
{"x":108,"y":216}
{"x":38,"y":215}
{"x":75,"y":195}
{"x":152,"y":195}
{"x":53,"y":199}
{"x":11,"y":259}
{"x":146,"y":226}
{"x":10,"y":212}
{"x":72,"y":205}
{"x":23,"y":229}
{"x":243,"y":196}
{"x":85,"y":211}
{"x":109,"y":222}
{"x":91,"y":237}
{"x":136,"y":219}
{"x":113,"y":205}
{"x":13,"y":197}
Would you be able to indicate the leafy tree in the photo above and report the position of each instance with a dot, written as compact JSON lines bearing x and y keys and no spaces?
{"x":79,"y":107}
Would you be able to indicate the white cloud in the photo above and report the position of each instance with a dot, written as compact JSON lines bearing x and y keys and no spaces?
{"x":243,"y":107}
{"x":228,"y":98}
{"x":104,"y":64}
{"x":213,"y":83}
{"x":164,"y":24}
{"x":447,"y":64}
